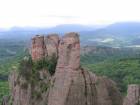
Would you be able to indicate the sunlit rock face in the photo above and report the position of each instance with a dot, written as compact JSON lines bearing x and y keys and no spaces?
{"x":133,"y":95}
{"x":69,"y":52}
{"x":51,"y":45}
{"x":69,"y":85}
{"x":72,"y":85}
{"x":37,"y":48}
{"x":44,"y":46}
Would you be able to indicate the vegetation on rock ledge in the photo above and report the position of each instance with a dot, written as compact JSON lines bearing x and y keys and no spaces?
{"x":28,"y":67}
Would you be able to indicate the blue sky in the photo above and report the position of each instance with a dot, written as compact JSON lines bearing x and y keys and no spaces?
{"x":47,"y":13}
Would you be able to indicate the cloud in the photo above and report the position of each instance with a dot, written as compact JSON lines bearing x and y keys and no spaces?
{"x":62,"y":16}
{"x":53,"y":12}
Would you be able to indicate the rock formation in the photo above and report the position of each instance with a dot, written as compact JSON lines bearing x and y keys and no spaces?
{"x":44,"y":46}
{"x":133,"y":95}
{"x":69,"y":85}
{"x":5,"y":100}
{"x":38,"y":47}
{"x":51,"y":45}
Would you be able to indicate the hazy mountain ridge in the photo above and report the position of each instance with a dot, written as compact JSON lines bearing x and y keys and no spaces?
{"x":28,"y":32}
{"x":115,"y":35}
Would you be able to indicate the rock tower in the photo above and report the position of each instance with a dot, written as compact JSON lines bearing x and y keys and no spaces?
{"x":70,"y":84}
{"x":43,"y":46}
{"x":37,"y":48}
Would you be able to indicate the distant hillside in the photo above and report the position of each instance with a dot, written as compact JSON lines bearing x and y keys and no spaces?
{"x":115,"y":35}
{"x":28,"y":32}
{"x":120,"y":64}
{"x":95,"y":54}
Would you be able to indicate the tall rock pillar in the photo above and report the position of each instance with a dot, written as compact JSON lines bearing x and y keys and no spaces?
{"x":37,"y":48}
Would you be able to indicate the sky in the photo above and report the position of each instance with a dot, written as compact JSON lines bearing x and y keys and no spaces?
{"x":48,"y":13}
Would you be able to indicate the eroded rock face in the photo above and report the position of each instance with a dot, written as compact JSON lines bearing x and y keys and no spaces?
{"x":133,"y":95}
{"x":51,"y":45}
{"x":43,"y":46}
{"x":67,"y":72}
{"x":70,"y":85}
{"x":37,"y":48}
{"x":69,"y":52}
{"x":107,"y":92}
{"x":5,"y":100}
{"x":25,"y":93}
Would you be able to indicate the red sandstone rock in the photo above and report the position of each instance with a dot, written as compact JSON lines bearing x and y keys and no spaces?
{"x":51,"y":45}
{"x":133,"y":95}
{"x":37,"y":49}
{"x":69,"y":52}
{"x":71,"y":84}
{"x":43,"y":46}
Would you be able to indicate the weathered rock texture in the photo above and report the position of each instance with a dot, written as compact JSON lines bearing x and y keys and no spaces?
{"x":5,"y":100}
{"x":44,"y":46}
{"x":24,"y":93}
{"x":71,"y":84}
{"x":38,"y":47}
{"x":51,"y":45}
{"x":133,"y":95}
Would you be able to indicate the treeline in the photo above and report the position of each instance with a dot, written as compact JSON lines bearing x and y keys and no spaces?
{"x":123,"y":66}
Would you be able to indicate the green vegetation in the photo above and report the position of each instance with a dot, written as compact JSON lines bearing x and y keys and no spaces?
{"x":29,"y":70}
{"x":4,"y":89}
{"x":48,"y":63}
{"x":123,"y":66}
{"x":123,"y":71}
{"x":11,"y":52}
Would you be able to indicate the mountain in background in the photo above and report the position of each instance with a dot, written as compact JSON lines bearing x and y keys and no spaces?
{"x":115,"y":35}
{"x":28,"y":32}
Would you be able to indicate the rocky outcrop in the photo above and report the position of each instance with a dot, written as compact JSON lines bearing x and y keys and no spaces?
{"x":38,"y":47}
{"x":133,"y":95}
{"x":24,"y":92}
{"x":51,"y":45}
{"x":69,"y":85}
{"x":44,"y":46}
{"x":72,"y":85}
{"x":107,"y":92}
{"x":5,"y":100}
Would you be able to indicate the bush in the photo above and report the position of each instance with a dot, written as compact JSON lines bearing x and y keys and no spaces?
{"x":30,"y":70}
{"x":25,"y":68}
{"x":48,"y":63}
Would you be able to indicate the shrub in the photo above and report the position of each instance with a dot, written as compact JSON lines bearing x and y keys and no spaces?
{"x":25,"y":68}
{"x":30,"y":70}
{"x":48,"y":63}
